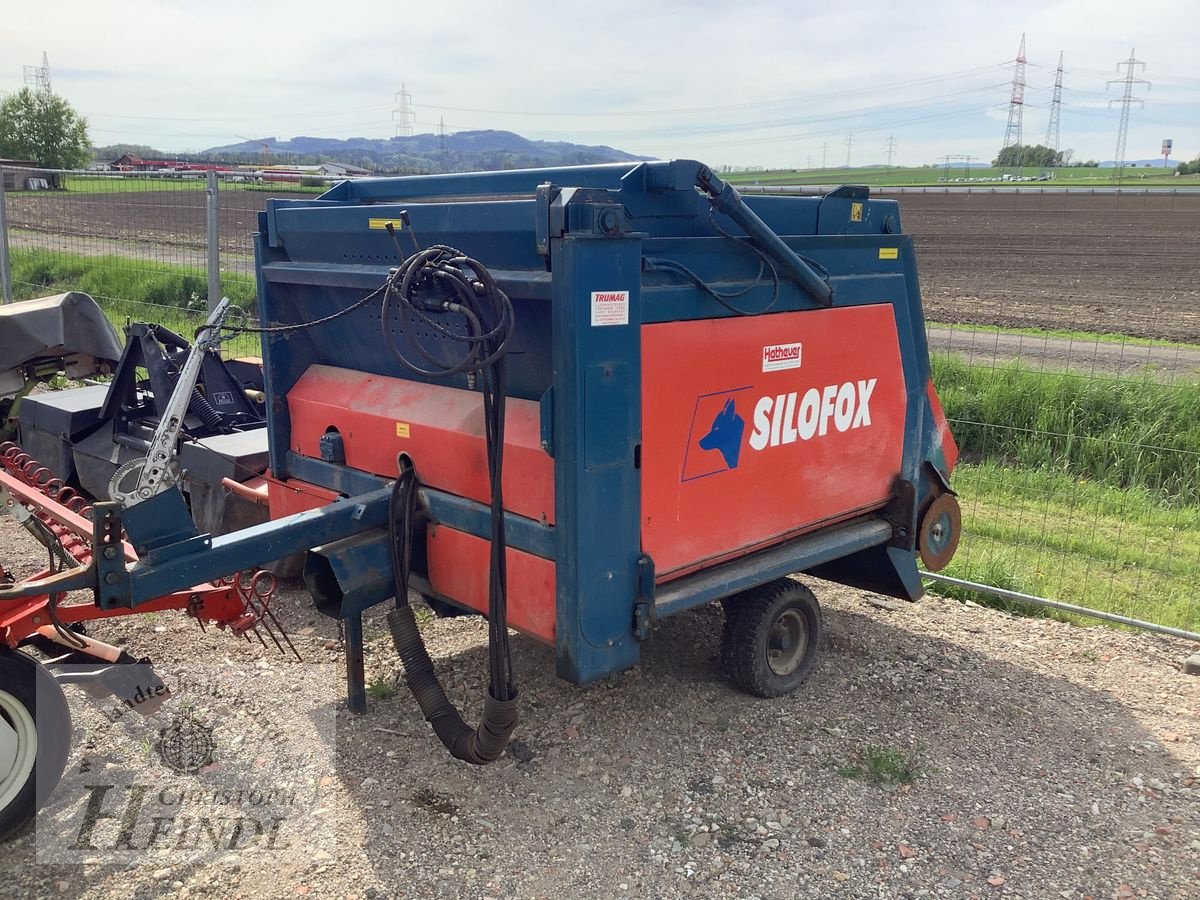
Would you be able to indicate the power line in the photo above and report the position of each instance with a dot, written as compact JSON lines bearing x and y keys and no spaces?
{"x":890,"y":149}
{"x":38,"y":77}
{"x":403,"y":114}
{"x":1016,"y":105}
{"x":824,"y":153}
{"x":1126,"y":101}
{"x":849,"y":144}
{"x":1052,"y":128}
{"x":443,"y":144}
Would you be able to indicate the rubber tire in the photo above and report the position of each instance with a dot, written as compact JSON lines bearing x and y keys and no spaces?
{"x":27,"y":681}
{"x":749,"y":617}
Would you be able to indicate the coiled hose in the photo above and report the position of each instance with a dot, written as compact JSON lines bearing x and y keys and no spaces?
{"x":427,"y":285}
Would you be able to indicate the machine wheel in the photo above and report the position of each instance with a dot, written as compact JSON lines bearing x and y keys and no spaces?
{"x":772,"y":635}
{"x":34,"y":741}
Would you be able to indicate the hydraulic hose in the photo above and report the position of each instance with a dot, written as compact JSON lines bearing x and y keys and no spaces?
{"x":474,"y":745}
{"x":421,"y":292}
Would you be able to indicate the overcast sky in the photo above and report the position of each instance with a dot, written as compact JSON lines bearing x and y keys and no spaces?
{"x":751,"y":83}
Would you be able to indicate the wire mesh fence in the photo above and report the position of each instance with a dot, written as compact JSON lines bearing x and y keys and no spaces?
{"x":1065,"y":333}
{"x":1064,"y":328}
{"x":142,"y":244}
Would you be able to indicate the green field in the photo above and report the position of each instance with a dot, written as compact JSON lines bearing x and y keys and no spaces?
{"x":1084,"y":490}
{"x":36,"y":273}
{"x":932,"y":176}
{"x":1123,"y":433}
{"x":173,"y":296}
{"x":116,"y":184}
{"x":1068,"y":539}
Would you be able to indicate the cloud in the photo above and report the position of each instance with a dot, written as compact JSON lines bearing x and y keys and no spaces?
{"x":756,"y":83}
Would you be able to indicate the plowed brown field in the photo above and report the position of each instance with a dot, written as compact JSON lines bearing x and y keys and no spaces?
{"x":1127,"y":263}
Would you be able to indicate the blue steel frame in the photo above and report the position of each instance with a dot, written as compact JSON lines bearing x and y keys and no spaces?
{"x":550,"y":237}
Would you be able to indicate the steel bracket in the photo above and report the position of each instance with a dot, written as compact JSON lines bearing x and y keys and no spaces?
{"x":643,"y":609}
{"x":901,"y":512}
{"x":112,"y":578}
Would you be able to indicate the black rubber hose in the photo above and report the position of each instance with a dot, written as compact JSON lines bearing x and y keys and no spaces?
{"x":204,"y":411}
{"x":474,"y":745}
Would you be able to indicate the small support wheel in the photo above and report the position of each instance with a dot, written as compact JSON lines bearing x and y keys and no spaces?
{"x":35,"y":739}
{"x":771,"y":638}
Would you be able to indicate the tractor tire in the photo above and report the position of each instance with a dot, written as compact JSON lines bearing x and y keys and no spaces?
{"x":35,"y":739}
{"x":771,"y":638}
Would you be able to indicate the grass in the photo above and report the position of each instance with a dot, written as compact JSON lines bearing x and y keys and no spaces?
{"x":170,"y":295}
{"x":1121,"y":550}
{"x":1080,"y":489}
{"x":1086,"y":337}
{"x":125,"y":184}
{"x":381,"y":688}
{"x":884,"y":766}
{"x":38,"y":272}
{"x":917,"y":176}
{"x":1117,"y":432}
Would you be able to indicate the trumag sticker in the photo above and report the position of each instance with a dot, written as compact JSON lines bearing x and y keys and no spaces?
{"x":610,"y":307}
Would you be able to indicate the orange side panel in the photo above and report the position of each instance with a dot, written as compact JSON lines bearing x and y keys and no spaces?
{"x":440,"y":428}
{"x":458,"y":569}
{"x":756,"y":429}
{"x":949,"y":445}
{"x":293,"y":496}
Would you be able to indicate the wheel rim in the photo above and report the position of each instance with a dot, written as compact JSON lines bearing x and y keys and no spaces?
{"x":18,"y":747}
{"x":787,"y":642}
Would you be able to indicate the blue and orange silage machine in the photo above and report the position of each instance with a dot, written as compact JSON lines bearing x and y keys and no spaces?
{"x":580,"y":400}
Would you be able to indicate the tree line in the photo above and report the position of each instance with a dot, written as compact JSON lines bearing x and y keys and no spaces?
{"x":1038,"y":156}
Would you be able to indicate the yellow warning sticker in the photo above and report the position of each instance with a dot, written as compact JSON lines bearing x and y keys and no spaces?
{"x":889,"y":252}
{"x":402,"y":430}
{"x":855,"y":212}
{"x":382,"y":224}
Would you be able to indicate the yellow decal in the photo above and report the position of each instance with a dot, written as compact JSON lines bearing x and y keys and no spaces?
{"x":855,"y":212}
{"x":402,"y":429}
{"x":382,"y":224}
{"x":889,"y":252}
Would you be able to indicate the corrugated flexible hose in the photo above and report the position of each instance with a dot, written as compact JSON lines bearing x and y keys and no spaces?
{"x":474,"y":745}
{"x":205,"y":411}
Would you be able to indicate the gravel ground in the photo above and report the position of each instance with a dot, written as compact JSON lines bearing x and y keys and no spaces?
{"x":1053,"y":761}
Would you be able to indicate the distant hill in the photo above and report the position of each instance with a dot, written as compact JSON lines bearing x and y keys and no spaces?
{"x":465,"y":151}
{"x":1153,"y":163}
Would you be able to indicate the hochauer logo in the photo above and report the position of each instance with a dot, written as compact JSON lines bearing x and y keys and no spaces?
{"x":776,"y":357}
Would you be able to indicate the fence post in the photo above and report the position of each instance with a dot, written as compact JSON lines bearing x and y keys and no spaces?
{"x":212,"y":206}
{"x":5,"y":270}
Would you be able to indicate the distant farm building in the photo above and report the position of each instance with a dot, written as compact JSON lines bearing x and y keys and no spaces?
{"x":26,"y":175}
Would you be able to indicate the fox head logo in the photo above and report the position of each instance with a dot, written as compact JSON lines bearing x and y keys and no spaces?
{"x":725,"y":435}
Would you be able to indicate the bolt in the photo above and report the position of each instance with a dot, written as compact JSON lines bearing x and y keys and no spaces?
{"x":937,"y":532}
{"x":110,"y":552}
{"x":112,"y":578}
